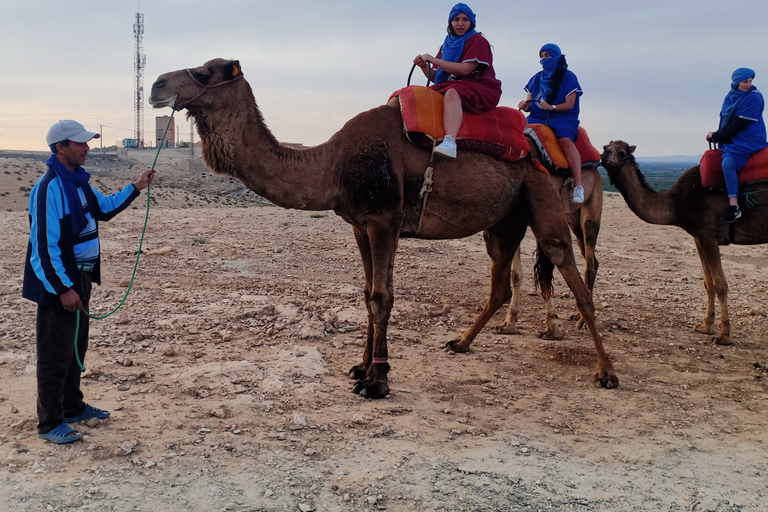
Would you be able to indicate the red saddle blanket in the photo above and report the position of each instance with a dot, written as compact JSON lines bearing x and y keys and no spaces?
{"x":712,"y":168}
{"x":498,"y":133}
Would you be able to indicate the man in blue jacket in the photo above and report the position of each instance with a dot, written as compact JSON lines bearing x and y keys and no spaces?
{"x":62,"y":263}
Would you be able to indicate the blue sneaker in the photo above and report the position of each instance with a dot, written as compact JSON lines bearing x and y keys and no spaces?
{"x":88,"y":413}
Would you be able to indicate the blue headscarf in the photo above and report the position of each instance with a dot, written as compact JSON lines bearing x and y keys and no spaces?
{"x":453,"y":46}
{"x":735,"y":96}
{"x":548,"y":65}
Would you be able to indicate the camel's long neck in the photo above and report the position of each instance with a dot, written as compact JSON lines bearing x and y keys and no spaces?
{"x":236,"y":142}
{"x":650,"y":205}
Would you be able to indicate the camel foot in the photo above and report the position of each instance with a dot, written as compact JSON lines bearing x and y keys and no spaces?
{"x":704,"y":329}
{"x":606,"y":379}
{"x":358,"y":372}
{"x":506,"y":329}
{"x":724,"y":341}
{"x":550,"y":334}
{"x":371,"y":389}
{"x":457,"y":347}
{"x":581,"y":323}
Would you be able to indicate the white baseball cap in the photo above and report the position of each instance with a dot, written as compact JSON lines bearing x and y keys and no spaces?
{"x":69,"y":130}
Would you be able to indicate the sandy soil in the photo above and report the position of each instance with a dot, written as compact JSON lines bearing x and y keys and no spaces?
{"x":226,"y":371}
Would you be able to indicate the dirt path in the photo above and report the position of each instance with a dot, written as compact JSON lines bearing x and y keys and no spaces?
{"x":226,"y":374}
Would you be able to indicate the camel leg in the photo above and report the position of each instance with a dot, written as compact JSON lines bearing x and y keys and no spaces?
{"x":510,"y":321}
{"x":707,"y":325}
{"x":501,"y":249}
{"x":555,"y":241}
{"x":715,"y":284}
{"x":377,"y":247}
{"x":358,"y":372}
{"x":586,"y":232}
{"x":552,"y":328}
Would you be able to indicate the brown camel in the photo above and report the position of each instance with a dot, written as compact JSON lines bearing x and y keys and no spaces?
{"x":370,"y":175}
{"x":584,"y":221}
{"x":696,"y":209}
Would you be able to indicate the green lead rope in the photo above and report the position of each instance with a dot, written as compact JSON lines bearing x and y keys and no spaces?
{"x":749,"y":198}
{"x":135,"y":265}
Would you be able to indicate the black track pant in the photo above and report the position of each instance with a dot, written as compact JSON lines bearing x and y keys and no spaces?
{"x":58,"y":374}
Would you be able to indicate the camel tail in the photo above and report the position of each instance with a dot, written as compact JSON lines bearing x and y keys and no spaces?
{"x":543,"y":271}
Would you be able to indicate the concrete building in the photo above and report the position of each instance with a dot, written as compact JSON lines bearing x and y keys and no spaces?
{"x":170,"y":138}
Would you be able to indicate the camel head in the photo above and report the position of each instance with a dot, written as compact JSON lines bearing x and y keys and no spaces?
{"x":189,"y":88}
{"x":616,"y":152}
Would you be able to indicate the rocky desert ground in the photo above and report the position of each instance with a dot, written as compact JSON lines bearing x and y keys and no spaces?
{"x":226,"y":370}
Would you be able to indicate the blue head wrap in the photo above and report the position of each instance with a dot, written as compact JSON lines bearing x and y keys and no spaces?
{"x":735,"y":96}
{"x":740,"y":75}
{"x":462,"y":8}
{"x":548,"y":65}
{"x":453,"y":46}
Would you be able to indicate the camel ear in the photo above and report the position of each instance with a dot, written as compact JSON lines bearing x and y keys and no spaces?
{"x":632,"y":149}
{"x":232,"y":69}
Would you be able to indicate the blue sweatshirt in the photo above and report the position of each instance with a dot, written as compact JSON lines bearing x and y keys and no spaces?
{"x":54,"y":250}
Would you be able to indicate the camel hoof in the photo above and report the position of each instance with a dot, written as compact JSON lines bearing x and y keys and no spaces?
{"x":723,"y":341}
{"x":550,"y":335}
{"x":606,"y":381}
{"x":374,"y":390}
{"x":358,"y":372}
{"x":704,"y":329}
{"x":506,"y":329}
{"x":456,"y":346}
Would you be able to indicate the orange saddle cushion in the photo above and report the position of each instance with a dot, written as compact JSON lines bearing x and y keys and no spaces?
{"x":712,"y":168}
{"x":498,"y":132}
{"x":552,"y":153}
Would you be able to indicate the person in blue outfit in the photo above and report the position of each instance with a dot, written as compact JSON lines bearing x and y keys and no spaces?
{"x":741,"y":133}
{"x":553,"y":100}
{"x":463,"y":73}
{"x":62,"y":262}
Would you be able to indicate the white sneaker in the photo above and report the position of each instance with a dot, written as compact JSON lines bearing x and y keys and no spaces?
{"x":447,"y":147}
{"x":578,"y":194}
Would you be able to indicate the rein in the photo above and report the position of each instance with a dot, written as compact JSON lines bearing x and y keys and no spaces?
{"x":179,"y":106}
{"x":135,"y":265}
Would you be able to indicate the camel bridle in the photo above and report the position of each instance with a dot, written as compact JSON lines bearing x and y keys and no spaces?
{"x":619,"y":152}
{"x":205,"y":88}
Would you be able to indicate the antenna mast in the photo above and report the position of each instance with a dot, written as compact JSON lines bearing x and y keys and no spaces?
{"x":140,"y":63}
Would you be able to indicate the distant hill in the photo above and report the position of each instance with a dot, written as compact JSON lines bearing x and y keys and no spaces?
{"x":692,"y":160}
{"x":661,"y":172}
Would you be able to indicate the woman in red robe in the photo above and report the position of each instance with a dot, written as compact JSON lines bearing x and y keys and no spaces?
{"x":463,"y":73}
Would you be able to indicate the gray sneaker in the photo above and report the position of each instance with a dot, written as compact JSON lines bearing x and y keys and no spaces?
{"x":447,"y":147}
{"x":578,"y":194}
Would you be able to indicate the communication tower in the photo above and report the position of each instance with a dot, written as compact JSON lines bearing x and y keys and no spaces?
{"x":140,"y":63}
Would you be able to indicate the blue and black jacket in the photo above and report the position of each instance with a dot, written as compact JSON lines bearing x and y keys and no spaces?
{"x":51,"y":263}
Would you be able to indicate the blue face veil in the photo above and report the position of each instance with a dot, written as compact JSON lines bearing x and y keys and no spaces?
{"x":453,"y":46}
{"x":735,"y":96}
{"x":548,"y":65}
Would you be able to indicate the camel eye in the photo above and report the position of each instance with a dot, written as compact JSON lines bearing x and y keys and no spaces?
{"x":201,"y":77}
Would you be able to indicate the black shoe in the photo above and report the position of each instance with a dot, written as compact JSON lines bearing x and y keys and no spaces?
{"x":732,"y":214}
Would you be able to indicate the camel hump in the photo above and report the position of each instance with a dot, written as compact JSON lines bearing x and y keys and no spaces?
{"x":712,"y":168}
{"x":552,"y":154}
{"x":498,"y":132}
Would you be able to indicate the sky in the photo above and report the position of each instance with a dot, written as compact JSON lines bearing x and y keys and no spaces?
{"x":654,"y":73}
